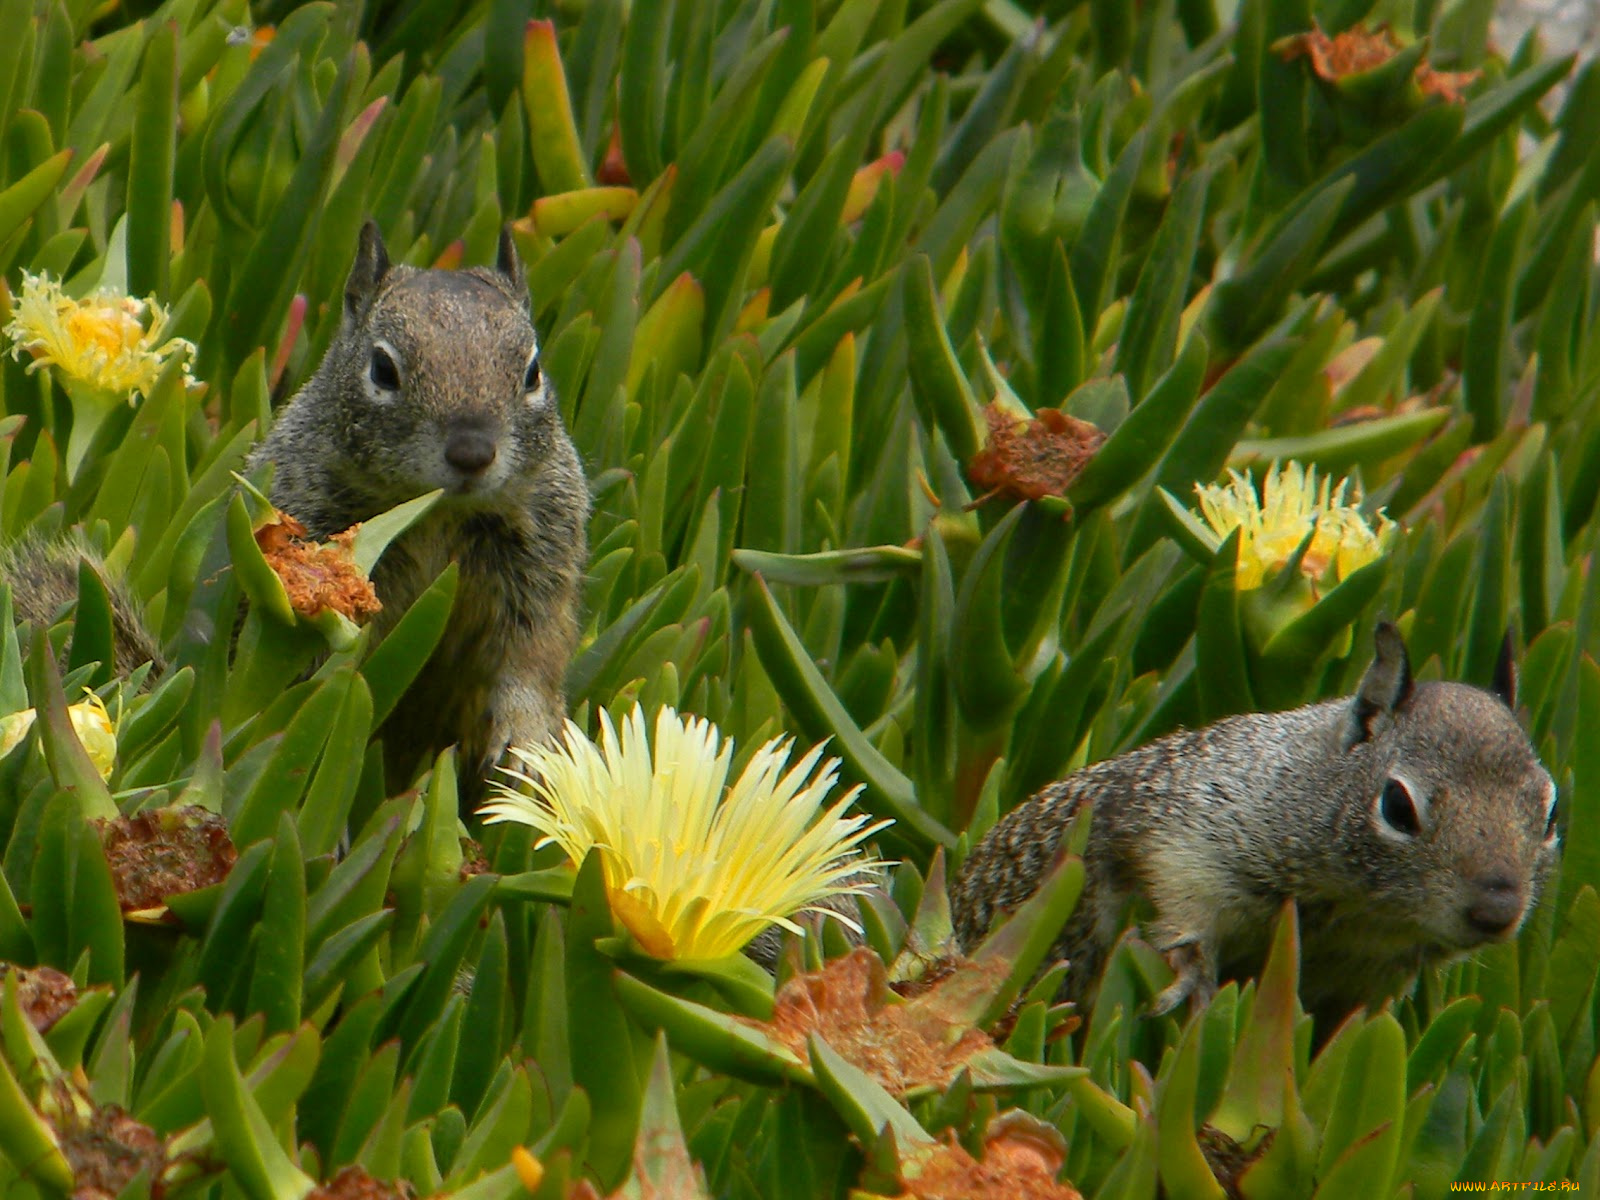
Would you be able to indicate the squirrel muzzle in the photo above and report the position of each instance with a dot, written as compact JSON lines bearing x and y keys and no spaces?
{"x":1497,"y":907}
{"x":470,"y":451}
{"x":471,"y":448}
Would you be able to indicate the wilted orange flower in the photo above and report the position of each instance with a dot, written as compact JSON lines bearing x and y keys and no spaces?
{"x":904,"y":1045}
{"x":1021,"y":1156}
{"x":317,"y":575}
{"x":1357,"y":50}
{"x":1031,"y":459}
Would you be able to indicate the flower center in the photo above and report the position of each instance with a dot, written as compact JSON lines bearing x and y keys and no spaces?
{"x":109,"y":330}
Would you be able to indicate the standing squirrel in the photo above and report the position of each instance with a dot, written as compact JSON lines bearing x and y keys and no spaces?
{"x":433,"y":381}
{"x":1411,"y":823}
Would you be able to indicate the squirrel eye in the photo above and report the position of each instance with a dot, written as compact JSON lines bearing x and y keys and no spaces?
{"x":383,"y":371}
{"x":1398,"y":810}
{"x":1550,"y":821}
{"x":530,"y":378}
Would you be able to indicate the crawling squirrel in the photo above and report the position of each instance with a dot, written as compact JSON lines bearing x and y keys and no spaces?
{"x":1411,"y":823}
{"x":433,"y":381}
{"x":42,"y":572}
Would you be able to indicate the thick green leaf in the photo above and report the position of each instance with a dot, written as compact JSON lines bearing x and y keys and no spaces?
{"x":1150,"y":328}
{"x":243,"y":1136}
{"x":715,"y":1040}
{"x":889,"y":793}
{"x":150,"y":165}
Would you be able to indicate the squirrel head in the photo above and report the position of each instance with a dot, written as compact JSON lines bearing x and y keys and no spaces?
{"x":1459,"y":824}
{"x":438,"y":374}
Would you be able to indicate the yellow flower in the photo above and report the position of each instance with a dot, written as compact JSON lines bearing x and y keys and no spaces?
{"x":1293,"y":503}
{"x":694,"y":868}
{"x":107,"y":347}
{"x":13,"y":729}
{"x":90,"y":722}
{"x":110,"y":342}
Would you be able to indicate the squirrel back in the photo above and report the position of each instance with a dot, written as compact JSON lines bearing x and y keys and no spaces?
{"x":1411,"y":823}
{"x":42,"y":571}
{"x":433,"y":381}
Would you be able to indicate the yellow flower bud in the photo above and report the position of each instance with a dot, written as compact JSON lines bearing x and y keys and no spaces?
{"x":13,"y":729}
{"x":529,"y":1169}
{"x":92,"y":724}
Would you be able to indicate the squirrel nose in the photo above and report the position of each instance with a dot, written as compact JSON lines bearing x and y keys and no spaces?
{"x":1497,"y":908}
{"x":469,"y":450}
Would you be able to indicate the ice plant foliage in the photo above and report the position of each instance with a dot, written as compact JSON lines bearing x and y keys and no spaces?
{"x":694,"y":867}
{"x":777,"y":281}
{"x":1291,"y":504}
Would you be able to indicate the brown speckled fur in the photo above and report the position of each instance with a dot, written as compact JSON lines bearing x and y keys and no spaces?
{"x":43,"y":574}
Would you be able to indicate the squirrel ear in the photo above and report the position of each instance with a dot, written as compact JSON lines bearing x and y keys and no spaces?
{"x":1505,"y":671}
{"x":368,"y":271}
{"x":509,"y":263}
{"x":1385,"y":687}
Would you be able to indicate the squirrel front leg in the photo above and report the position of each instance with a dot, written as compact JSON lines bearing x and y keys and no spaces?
{"x":1195,"y":964}
{"x":527,"y":703}
{"x":1185,"y":929}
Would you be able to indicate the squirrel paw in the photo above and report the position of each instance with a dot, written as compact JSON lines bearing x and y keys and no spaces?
{"x":1195,"y":981}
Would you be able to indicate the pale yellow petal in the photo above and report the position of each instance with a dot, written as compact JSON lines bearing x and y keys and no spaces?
{"x":13,"y":728}
{"x":695,"y":866}
{"x":92,"y":724}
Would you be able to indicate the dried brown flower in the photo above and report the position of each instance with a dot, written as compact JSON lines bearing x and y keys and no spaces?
{"x":353,"y":1183}
{"x":1357,"y":50}
{"x":317,"y":575}
{"x":106,"y":1148}
{"x":165,"y":852}
{"x":923,"y":1042}
{"x":1031,"y":459}
{"x":473,"y":859}
{"x":44,"y":993}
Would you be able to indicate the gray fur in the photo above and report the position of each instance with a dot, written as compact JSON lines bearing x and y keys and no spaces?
{"x":1216,"y":827}
{"x":43,"y":574}
{"x":516,"y":506}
